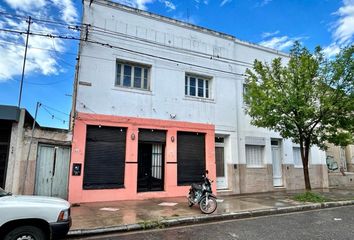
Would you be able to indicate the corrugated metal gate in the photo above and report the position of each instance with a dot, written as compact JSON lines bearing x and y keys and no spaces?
{"x":190,"y":157}
{"x":52,"y":171}
{"x":104,"y":157}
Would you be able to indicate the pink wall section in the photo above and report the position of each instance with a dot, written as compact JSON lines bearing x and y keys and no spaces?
{"x":76,"y":192}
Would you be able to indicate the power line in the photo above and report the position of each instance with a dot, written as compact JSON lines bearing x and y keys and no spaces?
{"x":120,"y":48}
{"x":53,"y":116}
{"x":74,"y":26}
{"x":107,"y":33}
{"x":56,"y":110}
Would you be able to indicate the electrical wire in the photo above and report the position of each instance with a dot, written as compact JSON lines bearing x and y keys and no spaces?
{"x":54,"y":117}
{"x":56,"y":110}
{"x":73,"y":26}
{"x":120,"y":48}
{"x":107,"y":33}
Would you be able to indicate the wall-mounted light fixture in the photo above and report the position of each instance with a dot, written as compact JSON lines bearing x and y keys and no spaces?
{"x":132,"y":136}
{"x":172,"y":138}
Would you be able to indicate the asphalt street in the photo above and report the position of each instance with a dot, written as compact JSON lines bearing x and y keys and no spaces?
{"x":334,"y":223}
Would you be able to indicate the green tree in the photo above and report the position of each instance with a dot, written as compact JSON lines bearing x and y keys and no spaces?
{"x":308,"y":99}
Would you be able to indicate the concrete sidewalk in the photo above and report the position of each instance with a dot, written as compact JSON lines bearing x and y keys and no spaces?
{"x":105,"y":217}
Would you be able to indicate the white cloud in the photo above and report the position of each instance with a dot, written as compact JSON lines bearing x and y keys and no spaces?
{"x":279,"y":43}
{"x":169,"y":5}
{"x":39,"y":60}
{"x":224,"y":2}
{"x":270,"y":34}
{"x":331,"y":50}
{"x":26,"y":5}
{"x":12,"y":49}
{"x":65,"y":7}
{"x":344,"y":27}
{"x":67,"y":10}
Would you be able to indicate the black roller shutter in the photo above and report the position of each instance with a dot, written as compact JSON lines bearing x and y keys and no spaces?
{"x":190,"y":157}
{"x":148,"y":135}
{"x":104,"y":157}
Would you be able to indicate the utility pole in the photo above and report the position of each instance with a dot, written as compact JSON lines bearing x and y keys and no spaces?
{"x":29,"y":148}
{"x":24,"y":61}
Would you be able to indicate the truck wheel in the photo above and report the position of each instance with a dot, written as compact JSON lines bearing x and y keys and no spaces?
{"x":26,"y":233}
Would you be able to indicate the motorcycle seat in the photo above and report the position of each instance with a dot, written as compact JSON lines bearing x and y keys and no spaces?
{"x":196,"y":186}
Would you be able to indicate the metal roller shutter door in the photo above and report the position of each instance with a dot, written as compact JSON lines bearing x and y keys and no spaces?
{"x":104,"y":157}
{"x":190,"y":157}
{"x":147,"y":135}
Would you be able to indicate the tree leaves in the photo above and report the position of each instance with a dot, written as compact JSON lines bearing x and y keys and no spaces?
{"x":309,"y":100}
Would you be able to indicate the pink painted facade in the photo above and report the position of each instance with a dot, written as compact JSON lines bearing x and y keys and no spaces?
{"x":76,"y":192}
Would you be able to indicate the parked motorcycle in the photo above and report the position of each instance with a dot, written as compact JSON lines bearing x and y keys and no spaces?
{"x":202,"y":194}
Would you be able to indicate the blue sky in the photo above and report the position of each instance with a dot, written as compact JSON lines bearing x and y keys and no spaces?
{"x":50,"y":66}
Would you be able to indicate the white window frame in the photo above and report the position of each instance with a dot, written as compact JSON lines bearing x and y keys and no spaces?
{"x":197,"y":78}
{"x":297,"y":164}
{"x":254,"y":164}
{"x":120,"y":82}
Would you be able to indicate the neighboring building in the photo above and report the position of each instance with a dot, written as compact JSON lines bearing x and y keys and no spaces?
{"x":157,"y":101}
{"x":47,"y":163}
{"x":343,"y":156}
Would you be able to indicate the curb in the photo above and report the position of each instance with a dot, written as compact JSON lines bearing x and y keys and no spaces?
{"x":207,"y":218}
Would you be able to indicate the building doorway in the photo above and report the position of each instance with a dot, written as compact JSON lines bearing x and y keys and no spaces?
{"x":52,"y":171}
{"x":150,"y":167}
{"x":277,"y":163}
{"x":221,"y":179}
{"x":151,"y":158}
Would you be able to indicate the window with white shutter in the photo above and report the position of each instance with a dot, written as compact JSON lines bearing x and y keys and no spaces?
{"x":254,"y":156}
{"x":297,"y":157}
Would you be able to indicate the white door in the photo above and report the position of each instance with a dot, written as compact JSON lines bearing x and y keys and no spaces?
{"x":277,"y":168}
{"x":52,"y":171}
{"x":221,"y":181}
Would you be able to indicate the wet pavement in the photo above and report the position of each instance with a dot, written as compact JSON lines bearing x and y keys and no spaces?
{"x":334,"y":223}
{"x":109,"y":214}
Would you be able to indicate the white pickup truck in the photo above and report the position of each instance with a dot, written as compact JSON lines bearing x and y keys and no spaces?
{"x":33,"y":217}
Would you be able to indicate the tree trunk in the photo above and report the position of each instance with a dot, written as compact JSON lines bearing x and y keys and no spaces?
{"x":305,"y":163}
{"x":307,"y":178}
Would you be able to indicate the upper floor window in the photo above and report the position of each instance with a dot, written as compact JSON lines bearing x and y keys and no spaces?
{"x":132,"y":75}
{"x":197,"y":86}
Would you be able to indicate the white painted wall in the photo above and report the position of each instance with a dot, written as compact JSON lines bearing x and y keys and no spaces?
{"x":222,"y":57}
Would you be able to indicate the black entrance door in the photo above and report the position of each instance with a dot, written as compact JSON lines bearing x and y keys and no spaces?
{"x":150,"y":167}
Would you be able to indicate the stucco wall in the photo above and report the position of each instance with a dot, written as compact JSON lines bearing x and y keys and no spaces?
{"x":77,"y":194}
{"x":19,"y":145}
{"x":173,"y":49}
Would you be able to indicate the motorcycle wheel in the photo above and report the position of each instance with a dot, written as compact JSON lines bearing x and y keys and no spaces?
{"x":208,"y":207}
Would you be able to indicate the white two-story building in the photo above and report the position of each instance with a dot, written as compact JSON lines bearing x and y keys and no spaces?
{"x":158,"y":101}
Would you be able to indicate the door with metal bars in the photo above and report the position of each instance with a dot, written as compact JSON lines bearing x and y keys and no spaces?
{"x":52,"y":171}
{"x":151,"y":151}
